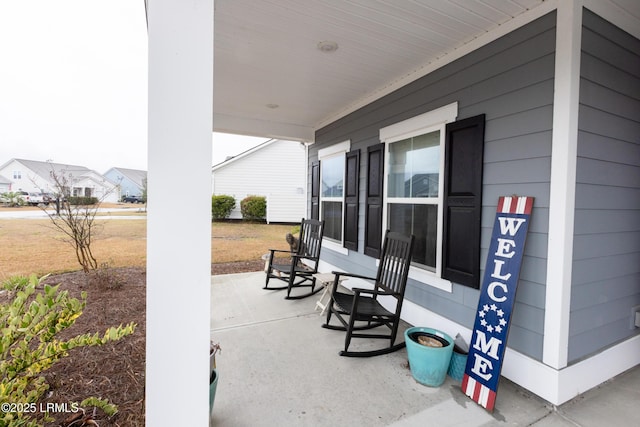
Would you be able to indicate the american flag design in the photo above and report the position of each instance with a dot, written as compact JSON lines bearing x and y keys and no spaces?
{"x":497,"y":297}
{"x":515,"y":205}
{"x":478,"y":392}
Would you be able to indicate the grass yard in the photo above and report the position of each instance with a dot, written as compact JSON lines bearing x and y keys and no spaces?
{"x":33,"y":246}
{"x":234,"y":241}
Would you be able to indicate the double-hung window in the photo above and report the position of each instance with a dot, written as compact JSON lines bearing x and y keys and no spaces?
{"x":413,"y":195}
{"x":332,"y":182}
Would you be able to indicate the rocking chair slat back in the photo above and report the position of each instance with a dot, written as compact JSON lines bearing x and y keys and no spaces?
{"x":310,"y":239}
{"x":394,"y":263}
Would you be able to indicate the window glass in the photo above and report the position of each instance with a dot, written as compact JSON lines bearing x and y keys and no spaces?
{"x":422,"y":222}
{"x":332,"y":176}
{"x":414,"y":166}
{"x":332,"y":215}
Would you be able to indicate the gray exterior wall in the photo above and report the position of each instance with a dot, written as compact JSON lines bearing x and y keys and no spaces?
{"x":511,"y":81}
{"x":606,"y":259}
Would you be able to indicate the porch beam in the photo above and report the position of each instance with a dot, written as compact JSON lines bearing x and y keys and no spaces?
{"x":263,"y":128}
{"x":180,"y":104}
{"x":563,"y":183}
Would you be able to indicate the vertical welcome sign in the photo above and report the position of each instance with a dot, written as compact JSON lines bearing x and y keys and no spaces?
{"x":489,"y":338}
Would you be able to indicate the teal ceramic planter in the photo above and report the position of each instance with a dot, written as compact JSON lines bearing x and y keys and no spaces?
{"x":213,"y":384}
{"x":458,"y":363}
{"x":429,"y":365}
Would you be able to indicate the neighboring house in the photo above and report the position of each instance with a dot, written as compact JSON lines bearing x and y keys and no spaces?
{"x":35,"y":176}
{"x":274,"y":169}
{"x":433,"y":157}
{"x":5,"y":184}
{"x":132,"y":181}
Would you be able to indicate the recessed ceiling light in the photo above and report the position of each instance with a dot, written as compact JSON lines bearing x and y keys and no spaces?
{"x":272,"y":106}
{"x":327,"y":46}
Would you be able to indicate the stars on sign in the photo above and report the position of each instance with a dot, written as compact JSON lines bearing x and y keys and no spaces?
{"x":498,"y":316}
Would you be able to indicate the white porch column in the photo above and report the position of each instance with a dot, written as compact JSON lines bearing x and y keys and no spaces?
{"x":563,"y":183}
{"x":179,"y":211}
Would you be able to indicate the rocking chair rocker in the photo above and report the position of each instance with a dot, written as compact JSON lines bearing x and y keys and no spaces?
{"x":291,"y":269}
{"x":364,"y":304}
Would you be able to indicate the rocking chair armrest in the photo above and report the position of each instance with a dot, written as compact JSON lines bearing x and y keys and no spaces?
{"x":281,"y":251}
{"x":299,"y":257}
{"x":272,"y":253}
{"x":359,"y":291}
{"x":355,"y":276}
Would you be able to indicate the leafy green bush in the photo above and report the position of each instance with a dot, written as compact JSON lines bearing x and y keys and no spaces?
{"x":32,"y":318}
{"x":12,"y":199}
{"x":221,"y":206}
{"x":254,"y":207}
{"x":83,"y":201}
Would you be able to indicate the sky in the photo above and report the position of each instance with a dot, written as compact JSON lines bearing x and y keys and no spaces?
{"x":73,"y":84}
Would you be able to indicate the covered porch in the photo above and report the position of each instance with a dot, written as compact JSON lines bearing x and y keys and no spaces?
{"x":286,"y":69}
{"x":279,"y":367}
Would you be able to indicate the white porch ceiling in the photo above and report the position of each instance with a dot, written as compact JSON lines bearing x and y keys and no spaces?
{"x":266,"y":55}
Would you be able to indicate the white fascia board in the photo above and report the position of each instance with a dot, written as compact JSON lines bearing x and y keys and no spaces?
{"x":244,"y":154}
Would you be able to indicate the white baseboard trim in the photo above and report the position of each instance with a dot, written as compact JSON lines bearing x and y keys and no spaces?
{"x":554,"y":386}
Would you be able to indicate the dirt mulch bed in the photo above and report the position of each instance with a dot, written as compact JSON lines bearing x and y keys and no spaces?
{"x":115,"y":371}
{"x":237,"y":267}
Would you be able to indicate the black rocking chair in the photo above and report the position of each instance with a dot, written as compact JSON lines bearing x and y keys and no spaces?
{"x":298,"y":266}
{"x":364,"y":306}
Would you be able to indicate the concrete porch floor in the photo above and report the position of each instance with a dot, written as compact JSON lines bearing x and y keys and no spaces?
{"x":279,"y":367}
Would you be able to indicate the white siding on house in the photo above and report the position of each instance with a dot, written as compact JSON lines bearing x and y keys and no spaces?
{"x":35,"y":176}
{"x":23,"y":178}
{"x":276,"y":170}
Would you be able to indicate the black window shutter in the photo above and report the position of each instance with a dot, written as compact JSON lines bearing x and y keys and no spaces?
{"x":315,"y":190}
{"x":374,"y":200}
{"x":352,"y":176}
{"x":464,"y":147}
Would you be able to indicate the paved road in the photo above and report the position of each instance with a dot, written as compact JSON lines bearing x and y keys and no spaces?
{"x":39,"y":214}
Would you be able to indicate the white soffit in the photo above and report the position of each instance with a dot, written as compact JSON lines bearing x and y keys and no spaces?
{"x":271,"y":79}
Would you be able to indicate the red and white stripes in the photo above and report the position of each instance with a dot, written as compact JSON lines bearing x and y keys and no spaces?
{"x":478,"y":392}
{"x":515,"y":204}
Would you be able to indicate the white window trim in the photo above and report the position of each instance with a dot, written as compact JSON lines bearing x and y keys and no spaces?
{"x":431,"y":121}
{"x":419,"y":124}
{"x":334,"y":150}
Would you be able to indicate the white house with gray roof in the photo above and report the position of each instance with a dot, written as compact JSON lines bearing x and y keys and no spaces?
{"x":36,"y":176}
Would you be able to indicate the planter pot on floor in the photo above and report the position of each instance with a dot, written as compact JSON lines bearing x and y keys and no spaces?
{"x":213,"y":375}
{"x":213,"y":383}
{"x":458,"y":363}
{"x":428,"y":363}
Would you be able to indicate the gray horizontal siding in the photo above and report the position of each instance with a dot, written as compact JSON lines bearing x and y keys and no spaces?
{"x":511,"y":82}
{"x":582,"y":344}
{"x":606,"y":258}
{"x":605,"y":290}
{"x":604,"y":269}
